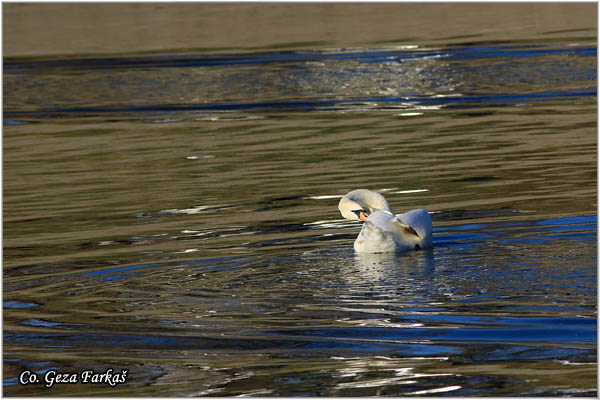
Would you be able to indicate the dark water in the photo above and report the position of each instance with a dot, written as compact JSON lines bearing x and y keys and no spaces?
{"x":176,"y":216}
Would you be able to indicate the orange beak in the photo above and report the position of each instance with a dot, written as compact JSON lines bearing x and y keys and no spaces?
{"x":363,"y":216}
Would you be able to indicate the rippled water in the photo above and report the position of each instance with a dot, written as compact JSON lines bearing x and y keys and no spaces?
{"x":176,"y":216}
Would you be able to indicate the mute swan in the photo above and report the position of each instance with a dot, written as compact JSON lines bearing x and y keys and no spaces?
{"x":382,"y":231}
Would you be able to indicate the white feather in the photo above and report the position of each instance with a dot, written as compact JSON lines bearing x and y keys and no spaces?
{"x":384,"y":232}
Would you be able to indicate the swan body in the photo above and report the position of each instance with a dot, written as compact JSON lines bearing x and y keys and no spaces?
{"x":383,"y":231}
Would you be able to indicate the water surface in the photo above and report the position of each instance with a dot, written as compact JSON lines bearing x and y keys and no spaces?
{"x":176,"y":216}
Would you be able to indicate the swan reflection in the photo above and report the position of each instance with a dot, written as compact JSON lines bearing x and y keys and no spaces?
{"x":409,"y":276}
{"x":378,"y":267}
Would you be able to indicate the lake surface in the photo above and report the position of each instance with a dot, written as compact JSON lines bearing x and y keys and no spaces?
{"x":176,"y":216}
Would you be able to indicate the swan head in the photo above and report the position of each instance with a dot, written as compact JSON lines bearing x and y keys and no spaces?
{"x":360,"y":203}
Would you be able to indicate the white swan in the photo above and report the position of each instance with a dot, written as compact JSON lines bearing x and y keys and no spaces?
{"x":384,"y":232}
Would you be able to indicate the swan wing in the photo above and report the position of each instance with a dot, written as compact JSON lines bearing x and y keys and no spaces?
{"x":389,"y":222}
{"x":420,"y":221}
{"x":384,"y":232}
{"x":400,"y":228}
